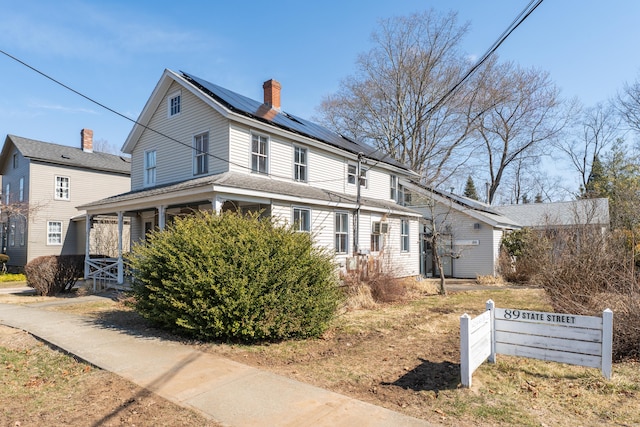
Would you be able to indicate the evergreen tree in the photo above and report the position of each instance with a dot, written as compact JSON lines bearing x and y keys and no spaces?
{"x":597,"y":181}
{"x":470,"y":189}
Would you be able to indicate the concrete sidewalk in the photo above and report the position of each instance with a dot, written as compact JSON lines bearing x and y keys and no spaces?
{"x":225,"y":391}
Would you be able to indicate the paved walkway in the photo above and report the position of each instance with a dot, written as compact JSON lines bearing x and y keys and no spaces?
{"x":225,"y":391}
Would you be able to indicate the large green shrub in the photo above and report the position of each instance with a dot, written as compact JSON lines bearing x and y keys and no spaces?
{"x":51,"y":275}
{"x":234,"y":277}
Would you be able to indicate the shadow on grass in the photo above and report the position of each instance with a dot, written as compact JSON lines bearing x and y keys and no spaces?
{"x":430,"y":376}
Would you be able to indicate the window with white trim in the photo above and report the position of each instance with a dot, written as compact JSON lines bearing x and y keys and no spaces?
{"x":352,"y":171}
{"x":302,"y":219}
{"x":7,"y":193}
{"x":394,"y":187}
{"x":404,"y":235}
{"x":21,"y":193}
{"x":62,"y":188}
{"x":300,"y":164}
{"x":174,"y":104}
{"x":201,"y":153}
{"x":259,"y":154}
{"x":342,"y":232}
{"x":150,"y":167}
{"x":375,"y":242}
{"x":54,"y":233}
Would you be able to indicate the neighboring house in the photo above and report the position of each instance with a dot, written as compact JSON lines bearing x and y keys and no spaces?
{"x":470,"y":232}
{"x":559,"y":215}
{"x":199,"y":146}
{"x":42,"y":183}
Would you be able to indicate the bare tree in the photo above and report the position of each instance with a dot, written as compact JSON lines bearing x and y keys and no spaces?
{"x":525,"y":111}
{"x":598,"y":129}
{"x":628,"y":104}
{"x":394,"y":102}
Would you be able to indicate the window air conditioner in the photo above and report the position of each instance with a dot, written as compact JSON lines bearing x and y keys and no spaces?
{"x":379,"y":227}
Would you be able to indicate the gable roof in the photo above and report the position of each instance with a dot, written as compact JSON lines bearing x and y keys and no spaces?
{"x":64,"y":155}
{"x":234,"y":105}
{"x":575,"y":212}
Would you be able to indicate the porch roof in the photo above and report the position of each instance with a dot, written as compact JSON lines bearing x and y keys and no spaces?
{"x":230,"y":183}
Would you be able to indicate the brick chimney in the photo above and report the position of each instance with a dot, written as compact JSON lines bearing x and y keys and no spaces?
{"x":86,"y":140}
{"x":272,"y":93}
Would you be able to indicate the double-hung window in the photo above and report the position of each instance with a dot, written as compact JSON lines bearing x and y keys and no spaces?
{"x":54,"y":233}
{"x":342,"y":232}
{"x":394,"y":187}
{"x":404,"y":235}
{"x":300,"y":164}
{"x":352,"y":171}
{"x":259,"y":154}
{"x":7,"y":194}
{"x":21,"y":193}
{"x":150,"y":167}
{"x":62,"y":188}
{"x":174,"y":104}
{"x":302,"y":219}
{"x":201,"y":153}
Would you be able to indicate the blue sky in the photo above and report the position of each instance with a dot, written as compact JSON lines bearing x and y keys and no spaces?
{"x":116,"y":51}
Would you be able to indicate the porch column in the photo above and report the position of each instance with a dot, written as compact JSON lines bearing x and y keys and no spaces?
{"x":87,"y":244}
{"x":120,"y":261}
{"x":162,"y":213}
{"x":217,"y":205}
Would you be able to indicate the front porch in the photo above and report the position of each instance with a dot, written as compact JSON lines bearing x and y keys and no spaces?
{"x":109,"y":271}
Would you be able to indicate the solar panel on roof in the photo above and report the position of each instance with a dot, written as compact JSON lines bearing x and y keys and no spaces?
{"x":250,"y":107}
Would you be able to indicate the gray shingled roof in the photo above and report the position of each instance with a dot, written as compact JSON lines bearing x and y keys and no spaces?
{"x":576,"y":212}
{"x":70,"y":156}
{"x":253,"y":183}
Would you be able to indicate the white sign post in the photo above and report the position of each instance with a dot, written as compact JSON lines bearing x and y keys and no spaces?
{"x":565,"y":338}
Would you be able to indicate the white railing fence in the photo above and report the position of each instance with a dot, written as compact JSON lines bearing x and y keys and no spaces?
{"x":566,"y":338}
{"x":103,"y":272}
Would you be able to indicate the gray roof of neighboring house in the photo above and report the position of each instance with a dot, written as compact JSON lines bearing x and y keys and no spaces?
{"x":253,"y":183}
{"x":258,"y":111}
{"x":576,"y":212}
{"x":64,"y":155}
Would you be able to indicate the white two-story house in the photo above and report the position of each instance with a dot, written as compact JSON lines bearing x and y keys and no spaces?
{"x":197,"y":145}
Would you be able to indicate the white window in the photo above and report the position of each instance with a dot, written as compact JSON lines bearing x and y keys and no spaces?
{"x":62,"y":188}
{"x":54,"y":233}
{"x":352,"y":171}
{"x":7,"y":193}
{"x":394,"y":188}
{"x":302,"y":219}
{"x":342,"y":232}
{"x":375,"y":242}
{"x":404,"y":235}
{"x":21,"y":194}
{"x":174,"y":104}
{"x":259,"y":154}
{"x":150,"y":167}
{"x":12,"y":233}
{"x":300,"y":164}
{"x":201,"y":153}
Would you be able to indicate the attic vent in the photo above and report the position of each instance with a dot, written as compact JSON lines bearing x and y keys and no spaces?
{"x":476,"y":226}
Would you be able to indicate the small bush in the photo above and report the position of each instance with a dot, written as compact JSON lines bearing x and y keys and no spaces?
{"x":50,"y":275}
{"x":9,"y":277}
{"x":234,"y":277}
{"x":375,"y":283}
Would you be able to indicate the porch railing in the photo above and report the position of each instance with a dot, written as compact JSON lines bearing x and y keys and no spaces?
{"x":104,"y":272}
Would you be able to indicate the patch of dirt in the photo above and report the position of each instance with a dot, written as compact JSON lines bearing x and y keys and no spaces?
{"x":78,"y":395}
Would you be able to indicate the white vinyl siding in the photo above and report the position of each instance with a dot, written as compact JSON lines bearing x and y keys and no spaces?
{"x":175,"y":159}
{"x":62,"y":188}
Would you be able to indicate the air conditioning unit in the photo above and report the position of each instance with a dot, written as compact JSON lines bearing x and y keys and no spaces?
{"x":379,"y":227}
